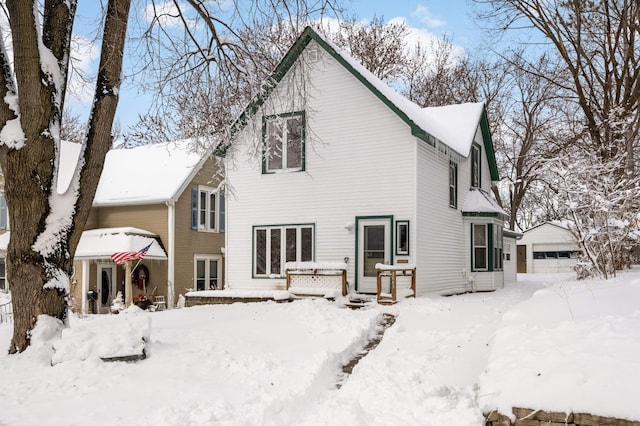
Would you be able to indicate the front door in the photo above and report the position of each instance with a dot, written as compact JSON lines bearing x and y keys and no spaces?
{"x":106,"y":288}
{"x":374,"y":246}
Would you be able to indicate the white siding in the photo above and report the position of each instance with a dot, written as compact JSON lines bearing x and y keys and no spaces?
{"x":510,"y":261}
{"x":476,"y":280}
{"x":440,"y":261}
{"x":360,"y":161}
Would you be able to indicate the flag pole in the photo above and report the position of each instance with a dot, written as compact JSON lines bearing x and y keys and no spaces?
{"x":127,"y":284}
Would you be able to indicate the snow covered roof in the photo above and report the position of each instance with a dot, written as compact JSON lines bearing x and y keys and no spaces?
{"x":4,"y":241}
{"x":102,"y":243}
{"x":552,"y":223}
{"x":451,"y":127}
{"x":455,"y":125}
{"x":147,"y":174}
{"x":480,"y":201}
{"x":69,"y":155}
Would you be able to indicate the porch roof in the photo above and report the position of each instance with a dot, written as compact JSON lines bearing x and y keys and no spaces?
{"x":102,"y":243}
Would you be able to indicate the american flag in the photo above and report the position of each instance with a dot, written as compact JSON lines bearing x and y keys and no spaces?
{"x":125,"y":256}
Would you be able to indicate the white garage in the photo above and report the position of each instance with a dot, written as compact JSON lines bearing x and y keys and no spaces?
{"x":547,"y":248}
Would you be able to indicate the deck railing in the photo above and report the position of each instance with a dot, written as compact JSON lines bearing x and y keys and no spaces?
{"x":316,"y":279}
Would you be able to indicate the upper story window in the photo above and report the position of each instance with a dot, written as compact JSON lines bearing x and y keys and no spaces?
{"x":283,"y":142}
{"x":453,"y":184}
{"x":475,"y":166}
{"x":207,"y":209}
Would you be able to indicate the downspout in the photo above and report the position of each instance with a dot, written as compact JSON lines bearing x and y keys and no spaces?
{"x":171,"y":257}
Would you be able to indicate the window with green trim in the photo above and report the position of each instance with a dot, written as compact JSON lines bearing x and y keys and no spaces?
{"x":273,"y":246}
{"x":486,"y":247}
{"x":497,"y":248}
{"x":283,"y":142}
{"x":475,"y":166}
{"x":480,"y":247}
{"x":453,"y":185}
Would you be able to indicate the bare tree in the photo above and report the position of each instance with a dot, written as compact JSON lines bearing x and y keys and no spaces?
{"x":529,"y":131}
{"x":440,"y":74}
{"x":45,"y":224}
{"x":47,"y":221}
{"x":597,"y":43}
{"x":379,"y":46}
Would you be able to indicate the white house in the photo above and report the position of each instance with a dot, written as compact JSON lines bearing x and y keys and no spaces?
{"x":330,"y":164}
{"x":547,"y":248}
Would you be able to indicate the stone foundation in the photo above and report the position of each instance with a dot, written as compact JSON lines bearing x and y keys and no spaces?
{"x":528,"y":417}
{"x":197,"y":301}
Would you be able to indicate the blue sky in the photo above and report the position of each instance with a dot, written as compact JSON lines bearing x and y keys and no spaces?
{"x":426,"y":18}
{"x":454,"y":17}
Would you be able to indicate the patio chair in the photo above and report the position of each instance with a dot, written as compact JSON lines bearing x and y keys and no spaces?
{"x":160,"y":303}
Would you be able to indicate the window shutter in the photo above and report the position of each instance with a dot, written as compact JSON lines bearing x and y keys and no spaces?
{"x":3,"y":211}
{"x":222,"y":215}
{"x":194,"y":208}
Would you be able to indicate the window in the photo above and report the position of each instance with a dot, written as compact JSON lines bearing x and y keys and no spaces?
{"x":3,"y":275}
{"x":497,"y":248}
{"x":4,"y":217}
{"x":555,"y":254}
{"x":538,"y":255}
{"x":475,"y":166}
{"x":207,"y":209}
{"x":276,"y":245}
{"x":284,"y":140}
{"x":479,"y":244}
{"x":207,"y":272}
{"x":453,"y":184}
{"x":402,"y":237}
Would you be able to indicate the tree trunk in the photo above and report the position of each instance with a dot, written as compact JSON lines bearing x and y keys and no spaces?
{"x":46,"y":225}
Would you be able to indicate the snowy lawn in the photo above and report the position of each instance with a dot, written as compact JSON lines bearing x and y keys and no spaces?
{"x":444,"y":361}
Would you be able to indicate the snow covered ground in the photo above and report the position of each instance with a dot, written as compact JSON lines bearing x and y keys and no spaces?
{"x":546,"y":342}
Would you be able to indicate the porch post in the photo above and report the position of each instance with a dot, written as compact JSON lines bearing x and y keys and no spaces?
{"x":127,"y":284}
{"x":85,"y":285}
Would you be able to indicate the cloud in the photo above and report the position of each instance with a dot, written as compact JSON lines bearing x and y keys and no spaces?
{"x":166,"y":14}
{"x":424,"y":15}
{"x":425,"y":38}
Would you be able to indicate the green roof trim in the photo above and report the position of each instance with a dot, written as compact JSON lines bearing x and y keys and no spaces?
{"x":500,"y":216}
{"x":292,"y":56}
{"x":488,"y":145}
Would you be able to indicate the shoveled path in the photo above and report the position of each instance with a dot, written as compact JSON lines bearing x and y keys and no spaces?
{"x":425,"y":369}
{"x":387,"y":321}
